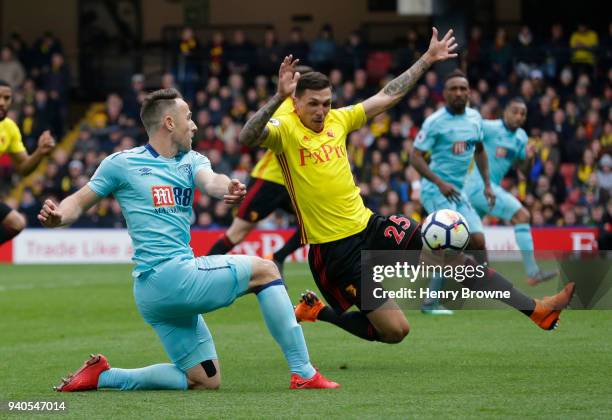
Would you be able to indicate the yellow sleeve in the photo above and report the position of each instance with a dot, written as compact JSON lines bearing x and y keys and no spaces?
{"x":274,"y":140}
{"x":353,"y":117}
{"x":15,"y":142}
{"x":285,"y":108}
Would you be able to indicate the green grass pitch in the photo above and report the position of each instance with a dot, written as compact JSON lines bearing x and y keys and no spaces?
{"x":474,"y":364}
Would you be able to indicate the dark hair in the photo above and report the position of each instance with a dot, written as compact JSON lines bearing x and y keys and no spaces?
{"x":453,"y":74}
{"x":312,"y":80}
{"x":516,"y":100}
{"x":154,"y":105}
{"x":3,"y":83}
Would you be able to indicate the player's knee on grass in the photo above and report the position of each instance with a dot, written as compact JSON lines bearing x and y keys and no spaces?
{"x":14,"y":221}
{"x":391,"y":325}
{"x":394,"y":334}
{"x":263,"y":272}
{"x":238,"y":230}
{"x":206,"y":375}
{"x":521,"y":216}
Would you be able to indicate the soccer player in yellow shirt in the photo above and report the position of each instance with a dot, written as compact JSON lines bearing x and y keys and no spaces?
{"x":266,"y":193}
{"x":11,"y":222}
{"x":311,"y":147}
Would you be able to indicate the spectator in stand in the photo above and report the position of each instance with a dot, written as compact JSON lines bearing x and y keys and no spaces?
{"x":11,"y":70}
{"x":604,"y":174}
{"x":525,"y":52}
{"x":216,"y":55}
{"x":241,"y":55}
{"x":297,"y":45}
{"x":555,"y":52}
{"x":475,"y":53}
{"x":269,"y":53}
{"x":501,"y":55}
{"x":353,"y":54}
{"x":323,"y":50}
{"x":188,"y":58}
{"x":584,"y":43}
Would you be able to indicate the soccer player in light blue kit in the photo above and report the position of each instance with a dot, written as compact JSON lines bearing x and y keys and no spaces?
{"x":453,"y":136}
{"x":154,"y":185}
{"x":506,"y":142}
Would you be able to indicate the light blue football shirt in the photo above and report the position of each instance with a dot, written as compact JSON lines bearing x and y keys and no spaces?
{"x":156,"y":196}
{"x":451,"y":139}
{"x":503,"y":148}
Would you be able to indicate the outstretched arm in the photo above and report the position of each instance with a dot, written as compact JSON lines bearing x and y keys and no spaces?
{"x":24,"y":163}
{"x":397,"y":88}
{"x":254,"y":131}
{"x":232,"y":191}
{"x":69,"y":210}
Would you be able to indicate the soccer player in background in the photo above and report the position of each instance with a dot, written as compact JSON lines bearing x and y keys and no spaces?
{"x":310,"y":145}
{"x":506,"y":142}
{"x":266,"y":193}
{"x":453,"y":136}
{"x":154,"y":185}
{"x":11,"y":222}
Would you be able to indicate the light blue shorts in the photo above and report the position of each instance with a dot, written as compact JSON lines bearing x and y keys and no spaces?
{"x":172,"y":296}
{"x":433,"y":200}
{"x":506,"y":205}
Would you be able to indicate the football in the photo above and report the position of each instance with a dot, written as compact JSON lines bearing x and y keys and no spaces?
{"x":445,"y":230}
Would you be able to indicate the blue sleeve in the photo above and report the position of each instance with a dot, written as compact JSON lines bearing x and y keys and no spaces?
{"x":426,"y":137}
{"x":200,"y":163}
{"x":108,"y":177}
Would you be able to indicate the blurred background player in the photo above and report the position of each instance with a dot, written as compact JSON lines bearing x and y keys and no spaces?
{"x":453,"y":136}
{"x":11,"y":222}
{"x":154,"y":185}
{"x":266,"y":192}
{"x":311,"y":147}
{"x":506,"y":142}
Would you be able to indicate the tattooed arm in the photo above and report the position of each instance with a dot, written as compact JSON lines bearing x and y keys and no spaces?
{"x":255,"y":131}
{"x":397,"y":88}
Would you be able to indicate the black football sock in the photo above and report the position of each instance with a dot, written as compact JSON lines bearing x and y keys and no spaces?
{"x":222,"y":246}
{"x":493,"y":281}
{"x":6,"y":234}
{"x":354,"y":322}
{"x":291,"y":245}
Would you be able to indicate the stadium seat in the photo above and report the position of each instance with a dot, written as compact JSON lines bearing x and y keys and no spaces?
{"x":378,"y":65}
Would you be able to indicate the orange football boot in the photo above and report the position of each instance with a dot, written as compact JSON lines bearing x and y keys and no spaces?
{"x":309,"y":307}
{"x":547,"y":309}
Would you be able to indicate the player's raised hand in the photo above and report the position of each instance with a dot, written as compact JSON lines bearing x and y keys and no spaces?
{"x":287,"y":76}
{"x":449,"y":191}
{"x":236,"y":191}
{"x":46,"y":142}
{"x":49,"y":215}
{"x":441,"y":49}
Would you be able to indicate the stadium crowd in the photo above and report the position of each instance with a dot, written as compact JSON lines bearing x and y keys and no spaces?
{"x":565,"y":79}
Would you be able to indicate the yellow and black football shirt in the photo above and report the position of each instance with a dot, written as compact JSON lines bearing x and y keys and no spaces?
{"x":10,"y":138}
{"x":318,"y":175}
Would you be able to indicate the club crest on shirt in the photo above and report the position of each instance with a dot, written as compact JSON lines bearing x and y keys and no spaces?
{"x":501,"y":152}
{"x":186,"y":169}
